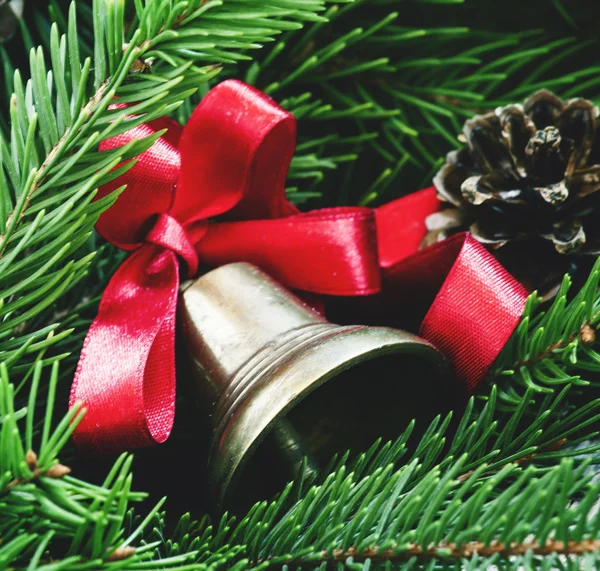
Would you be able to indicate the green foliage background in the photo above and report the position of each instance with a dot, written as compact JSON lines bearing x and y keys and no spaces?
{"x":380,"y":90}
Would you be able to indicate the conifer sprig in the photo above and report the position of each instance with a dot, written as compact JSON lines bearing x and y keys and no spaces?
{"x":382,"y":518}
{"x":41,"y":506}
{"x":553,"y":347}
{"x":381,"y":507}
{"x":50,"y":167}
{"x":397,"y":93}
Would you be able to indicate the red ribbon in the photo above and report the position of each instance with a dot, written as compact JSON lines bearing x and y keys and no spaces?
{"x":213,"y":192}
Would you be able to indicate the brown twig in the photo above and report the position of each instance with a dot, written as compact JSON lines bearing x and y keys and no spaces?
{"x":586,"y":334}
{"x":55,"y":471}
{"x":527,"y":458}
{"x":453,"y":551}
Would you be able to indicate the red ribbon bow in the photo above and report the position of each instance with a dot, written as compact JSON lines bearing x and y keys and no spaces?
{"x":214,"y":191}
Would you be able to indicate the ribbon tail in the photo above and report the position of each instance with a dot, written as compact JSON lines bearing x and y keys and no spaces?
{"x":467,"y":303}
{"x":473,"y":303}
{"x":475,"y":312}
{"x":125,"y":378}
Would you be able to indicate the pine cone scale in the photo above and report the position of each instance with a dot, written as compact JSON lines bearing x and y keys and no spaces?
{"x":578,"y":124}
{"x":518,"y":130}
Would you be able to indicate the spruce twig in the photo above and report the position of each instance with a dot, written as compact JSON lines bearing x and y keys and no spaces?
{"x":49,"y":164}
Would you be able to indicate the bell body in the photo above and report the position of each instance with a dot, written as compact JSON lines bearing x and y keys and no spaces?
{"x":284,"y":384}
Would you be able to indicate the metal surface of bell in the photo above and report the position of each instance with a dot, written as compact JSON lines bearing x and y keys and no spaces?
{"x":283,"y":383}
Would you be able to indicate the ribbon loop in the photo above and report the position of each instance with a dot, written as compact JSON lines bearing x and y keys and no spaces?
{"x":468,"y":303}
{"x":150,"y":185}
{"x":235,"y":153}
{"x":475,"y":311}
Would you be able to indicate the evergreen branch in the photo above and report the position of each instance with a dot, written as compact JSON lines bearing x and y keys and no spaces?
{"x":49,"y":520}
{"x":381,"y":518}
{"x":411,"y":97}
{"x":452,"y":551}
{"x":501,"y":488}
{"x":552,"y":347}
{"x":49,"y":166}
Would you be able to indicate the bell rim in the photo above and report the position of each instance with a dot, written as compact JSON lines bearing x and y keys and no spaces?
{"x":224,"y":472}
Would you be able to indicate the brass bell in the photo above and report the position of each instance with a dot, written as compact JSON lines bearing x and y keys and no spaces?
{"x":283,"y":384}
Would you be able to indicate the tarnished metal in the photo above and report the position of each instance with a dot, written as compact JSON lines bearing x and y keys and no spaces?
{"x":260,"y":352}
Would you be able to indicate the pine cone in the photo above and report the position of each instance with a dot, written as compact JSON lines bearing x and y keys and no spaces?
{"x":527,"y":186}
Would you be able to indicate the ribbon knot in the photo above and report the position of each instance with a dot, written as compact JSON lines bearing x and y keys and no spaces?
{"x":171,"y":235}
{"x":214,"y":191}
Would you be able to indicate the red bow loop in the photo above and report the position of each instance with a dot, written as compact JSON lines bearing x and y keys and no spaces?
{"x":235,"y":153}
{"x":479,"y":304}
{"x":150,"y":185}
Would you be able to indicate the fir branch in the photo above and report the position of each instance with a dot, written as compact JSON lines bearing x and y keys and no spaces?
{"x":367,"y":71}
{"x":452,"y":551}
{"x":552,"y":347}
{"x":499,"y":489}
{"x":49,"y":166}
{"x":382,"y":518}
{"x":50,"y":520}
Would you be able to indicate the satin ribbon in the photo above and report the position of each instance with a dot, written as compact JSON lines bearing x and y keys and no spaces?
{"x":212,"y":193}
